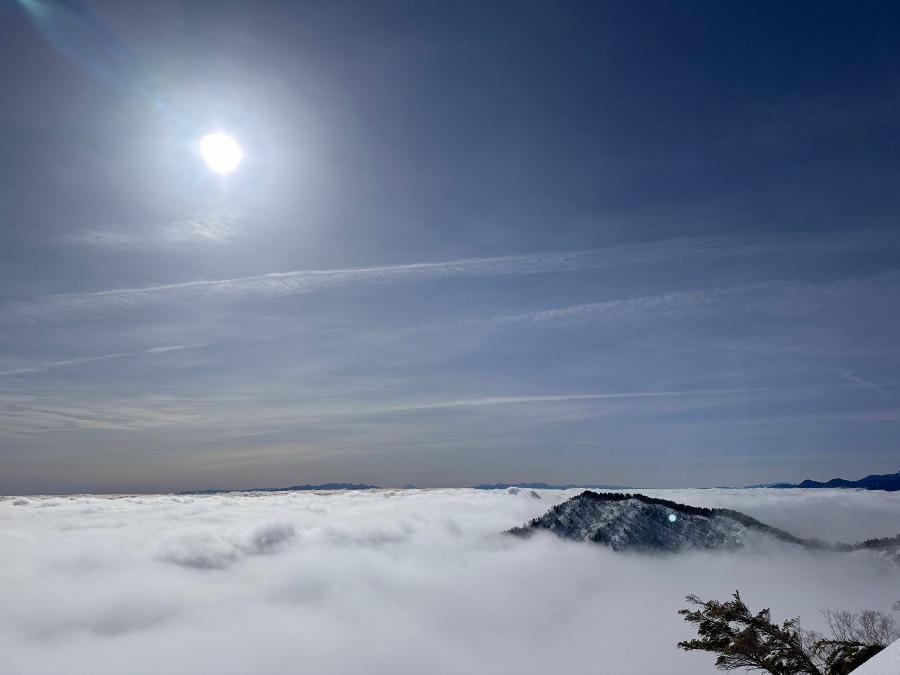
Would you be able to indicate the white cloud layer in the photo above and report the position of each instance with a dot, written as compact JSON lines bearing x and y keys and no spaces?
{"x":391,"y":581}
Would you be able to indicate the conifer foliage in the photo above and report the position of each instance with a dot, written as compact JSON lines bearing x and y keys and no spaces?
{"x":742,"y":639}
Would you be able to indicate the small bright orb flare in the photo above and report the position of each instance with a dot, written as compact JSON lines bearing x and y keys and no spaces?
{"x":221,"y":152}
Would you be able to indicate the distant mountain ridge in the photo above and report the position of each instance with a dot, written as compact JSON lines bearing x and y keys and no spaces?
{"x":635,"y":522}
{"x":293,"y":488}
{"x":889,"y":482}
{"x":545,"y":486}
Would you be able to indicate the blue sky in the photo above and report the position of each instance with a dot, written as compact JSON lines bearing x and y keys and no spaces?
{"x":646,"y":243}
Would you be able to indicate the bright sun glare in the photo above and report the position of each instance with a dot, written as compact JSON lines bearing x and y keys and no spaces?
{"x":221,"y":152}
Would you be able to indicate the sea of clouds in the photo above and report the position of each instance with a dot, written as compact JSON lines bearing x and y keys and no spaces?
{"x":405,"y":581}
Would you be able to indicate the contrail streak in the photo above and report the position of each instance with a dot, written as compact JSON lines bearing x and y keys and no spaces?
{"x":90,"y":305}
{"x":775,"y":296}
{"x":48,"y":365}
{"x":865,"y":384}
{"x":560,"y":398}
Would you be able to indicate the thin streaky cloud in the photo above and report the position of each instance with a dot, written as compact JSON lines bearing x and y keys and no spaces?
{"x":774,"y":296}
{"x":49,"y":365}
{"x":602,"y":444}
{"x":560,"y":398}
{"x":27,"y":415}
{"x":23,"y":416}
{"x":212,"y":227}
{"x":100,"y":303}
{"x":865,"y":384}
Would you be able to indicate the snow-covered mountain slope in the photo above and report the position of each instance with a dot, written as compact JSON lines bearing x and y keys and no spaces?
{"x":886,"y":662}
{"x":646,"y":524}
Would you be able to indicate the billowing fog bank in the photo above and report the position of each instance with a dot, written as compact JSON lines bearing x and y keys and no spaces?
{"x":393,"y":581}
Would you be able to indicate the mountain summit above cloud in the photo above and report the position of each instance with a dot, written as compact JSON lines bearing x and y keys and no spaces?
{"x":635,"y":522}
{"x":890,"y":482}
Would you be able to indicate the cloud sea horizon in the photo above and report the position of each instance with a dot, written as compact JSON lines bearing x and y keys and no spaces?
{"x":387,"y":580}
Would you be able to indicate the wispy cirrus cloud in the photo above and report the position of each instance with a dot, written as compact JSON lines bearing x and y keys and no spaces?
{"x":214,"y":227}
{"x":775,"y":296}
{"x":94,"y":304}
{"x":865,"y":384}
{"x":553,"y":398}
{"x":30,"y":415}
{"x":49,"y":365}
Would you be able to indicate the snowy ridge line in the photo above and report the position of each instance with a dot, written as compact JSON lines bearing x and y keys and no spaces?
{"x":625,"y":521}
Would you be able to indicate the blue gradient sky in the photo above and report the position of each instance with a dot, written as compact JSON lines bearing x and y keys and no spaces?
{"x":643,"y":243}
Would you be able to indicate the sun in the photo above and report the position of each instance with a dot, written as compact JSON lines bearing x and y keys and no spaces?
{"x":221,"y":152}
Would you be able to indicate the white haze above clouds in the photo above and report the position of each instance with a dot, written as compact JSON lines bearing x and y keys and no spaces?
{"x":393,"y":581}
